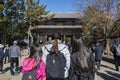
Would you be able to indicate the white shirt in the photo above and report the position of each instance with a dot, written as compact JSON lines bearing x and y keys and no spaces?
{"x":65,"y":51}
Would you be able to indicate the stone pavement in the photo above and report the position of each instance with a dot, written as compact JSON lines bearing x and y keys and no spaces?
{"x":107,"y":71}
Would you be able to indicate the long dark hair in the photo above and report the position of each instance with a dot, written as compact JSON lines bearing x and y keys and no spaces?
{"x":36,"y":52}
{"x":54,"y":47}
{"x":84,"y":56}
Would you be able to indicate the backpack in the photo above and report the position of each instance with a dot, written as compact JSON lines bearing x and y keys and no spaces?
{"x":117,"y":50}
{"x":30,"y":75}
{"x":55,"y":65}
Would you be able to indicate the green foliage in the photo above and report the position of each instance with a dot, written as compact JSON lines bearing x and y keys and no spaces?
{"x":18,"y":16}
{"x":34,"y":12}
{"x":13,"y":16}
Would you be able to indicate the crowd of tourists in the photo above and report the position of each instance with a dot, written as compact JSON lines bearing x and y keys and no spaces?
{"x":55,"y":61}
{"x":10,"y":54}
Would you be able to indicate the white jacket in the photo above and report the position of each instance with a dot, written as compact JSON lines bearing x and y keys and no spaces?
{"x":65,"y":51}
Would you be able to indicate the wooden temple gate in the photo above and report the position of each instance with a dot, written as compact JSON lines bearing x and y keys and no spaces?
{"x":44,"y":32}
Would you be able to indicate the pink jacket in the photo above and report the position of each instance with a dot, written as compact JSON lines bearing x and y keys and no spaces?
{"x":28,"y":64}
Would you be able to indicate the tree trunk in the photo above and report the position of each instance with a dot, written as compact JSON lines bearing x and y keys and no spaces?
{"x":30,"y":37}
{"x":107,"y":49}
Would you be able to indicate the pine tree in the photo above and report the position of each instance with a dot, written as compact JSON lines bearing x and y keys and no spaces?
{"x":33,"y":14}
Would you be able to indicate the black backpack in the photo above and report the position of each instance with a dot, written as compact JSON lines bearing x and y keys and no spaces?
{"x":30,"y":75}
{"x":55,"y":65}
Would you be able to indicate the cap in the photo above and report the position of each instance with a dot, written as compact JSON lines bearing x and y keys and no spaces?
{"x":14,"y":42}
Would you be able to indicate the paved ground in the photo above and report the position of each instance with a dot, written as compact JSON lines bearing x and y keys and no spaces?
{"x":107,"y":71}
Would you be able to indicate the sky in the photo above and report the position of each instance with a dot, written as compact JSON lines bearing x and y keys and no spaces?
{"x":59,"y":5}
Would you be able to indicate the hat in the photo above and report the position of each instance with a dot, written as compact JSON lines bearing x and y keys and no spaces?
{"x":14,"y":42}
{"x":1,"y":46}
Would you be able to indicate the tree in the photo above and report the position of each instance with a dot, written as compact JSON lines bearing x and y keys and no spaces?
{"x":116,"y":25}
{"x":1,"y":17}
{"x":20,"y":16}
{"x":98,"y":15}
{"x":34,"y":14}
{"x":12,"y":15}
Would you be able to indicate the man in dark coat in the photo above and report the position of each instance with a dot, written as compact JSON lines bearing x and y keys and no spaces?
{"x":99,"y":48}
{"x":116,"y":57}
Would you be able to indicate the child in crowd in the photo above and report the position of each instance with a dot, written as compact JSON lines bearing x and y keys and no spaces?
{"x":34,"y":61}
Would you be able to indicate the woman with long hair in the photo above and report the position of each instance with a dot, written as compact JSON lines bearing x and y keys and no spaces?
{"x":34,"y":62}
{"x":53,"y":49}
{"x":82,"y":61}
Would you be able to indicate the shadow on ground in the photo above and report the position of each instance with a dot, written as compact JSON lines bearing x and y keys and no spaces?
{"x":106,"y":76}
{"x":113,"y":74}
{"x":108,"y":59}
{"x":8,"y":68}
{"x":108,"y":67}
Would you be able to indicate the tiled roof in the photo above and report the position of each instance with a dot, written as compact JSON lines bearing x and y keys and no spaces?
{"x":59,"y":27}
{"x":65,"y":14}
